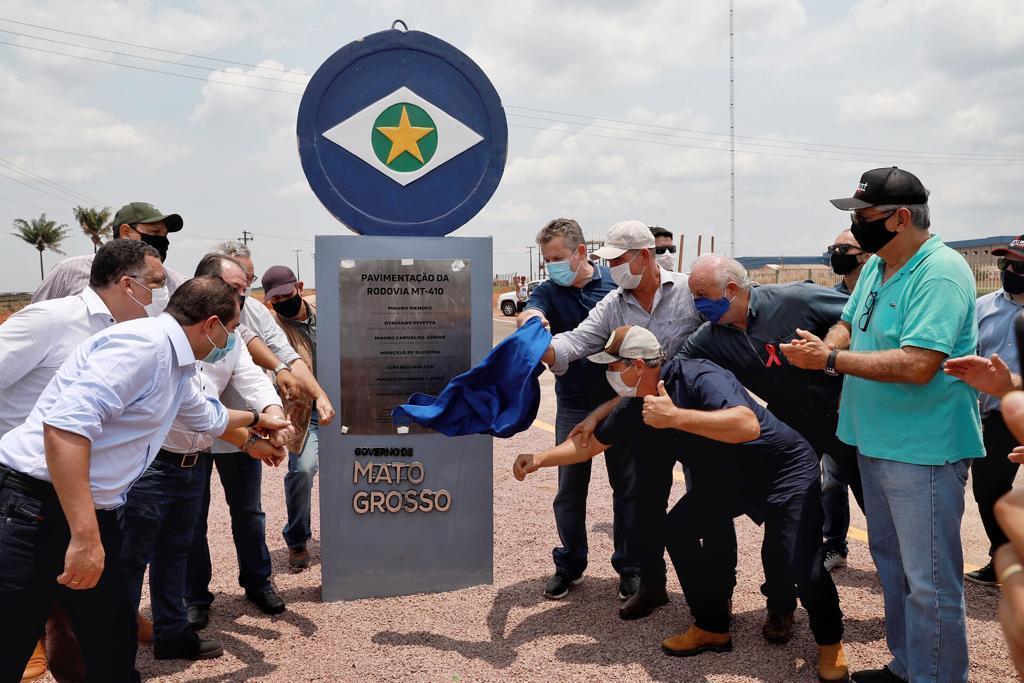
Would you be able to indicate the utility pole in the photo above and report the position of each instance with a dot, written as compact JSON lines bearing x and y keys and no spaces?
{"x":531,"y":262}
{"x":298,"y":272}
{"x":247,"y":237}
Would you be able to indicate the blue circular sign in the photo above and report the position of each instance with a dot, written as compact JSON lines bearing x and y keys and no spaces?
{"x":400,"y":133}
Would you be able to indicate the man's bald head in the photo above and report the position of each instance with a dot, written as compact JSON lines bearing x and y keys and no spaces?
{"x":846,"y":237}
{"x":713,"y":272}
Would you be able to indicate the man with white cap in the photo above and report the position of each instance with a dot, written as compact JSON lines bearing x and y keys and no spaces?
{"x":699,"y":413}
{"x":660,"y":301}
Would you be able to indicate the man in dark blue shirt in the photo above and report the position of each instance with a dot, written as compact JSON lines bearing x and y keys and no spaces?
{"x":742,"y":460}
{"x":573,"y":288}
{"x":746,"y":326}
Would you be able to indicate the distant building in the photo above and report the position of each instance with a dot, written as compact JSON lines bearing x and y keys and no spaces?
{"x":979,"y":252}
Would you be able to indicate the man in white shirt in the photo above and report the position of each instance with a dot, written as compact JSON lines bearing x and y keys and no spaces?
{"x":137,"y":221}
{"x":164,"y":505}
{"x":64,"y":472}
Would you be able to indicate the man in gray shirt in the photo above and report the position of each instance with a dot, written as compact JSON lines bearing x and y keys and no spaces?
{"x":660,"y":301}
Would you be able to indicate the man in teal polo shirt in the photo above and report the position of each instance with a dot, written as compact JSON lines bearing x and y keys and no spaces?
{"x":915,"y":427}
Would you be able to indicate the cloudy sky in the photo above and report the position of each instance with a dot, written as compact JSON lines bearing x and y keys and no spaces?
{"x":824,"y":91}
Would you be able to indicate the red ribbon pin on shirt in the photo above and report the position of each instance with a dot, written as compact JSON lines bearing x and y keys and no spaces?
{"x":773,"y":357}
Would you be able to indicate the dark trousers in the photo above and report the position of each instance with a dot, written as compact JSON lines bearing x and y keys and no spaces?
{"x":34,"y":538}
{"x":993,"y":475}
{"x":571,"y":503}
{"x":706,"y":567}
{"x":160,"y":519}
{"x":653,"y":485}
{"x":242,"y":478}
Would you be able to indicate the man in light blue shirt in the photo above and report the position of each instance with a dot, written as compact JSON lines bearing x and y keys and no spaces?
{"x":64,"y":472}
{"x":915,"y":427}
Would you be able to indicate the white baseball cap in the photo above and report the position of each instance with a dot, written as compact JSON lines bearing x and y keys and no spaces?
{"x":628,"y":341}
{"x":625,"y":236}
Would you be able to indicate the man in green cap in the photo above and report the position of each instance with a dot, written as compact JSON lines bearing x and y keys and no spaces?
{"x":134,"y":221}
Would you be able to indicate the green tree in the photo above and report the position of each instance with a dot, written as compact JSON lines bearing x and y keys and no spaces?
{"x":95,"y":224}
{"x":41,"y":233}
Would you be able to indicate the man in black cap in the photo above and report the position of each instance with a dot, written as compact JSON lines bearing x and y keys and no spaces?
{"x":915,"y":428}
{"x":135,"y":221}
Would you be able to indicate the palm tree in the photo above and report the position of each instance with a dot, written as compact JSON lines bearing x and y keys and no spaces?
{"x":95,"y":224}
{"x":42,"y":233}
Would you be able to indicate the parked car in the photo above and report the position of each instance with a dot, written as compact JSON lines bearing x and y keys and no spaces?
{"x":508,"y":303}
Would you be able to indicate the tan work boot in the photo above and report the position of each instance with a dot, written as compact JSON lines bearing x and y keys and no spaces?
{"x":145,"y":633}
{"x":696,"y":641}
{"x":832,"y":665}
{"x":36,"y":666}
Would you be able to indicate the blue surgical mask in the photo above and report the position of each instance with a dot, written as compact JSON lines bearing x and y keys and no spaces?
{"x":712,"y":309}
{"x":561,"y":272}
{"x":217,"y":353}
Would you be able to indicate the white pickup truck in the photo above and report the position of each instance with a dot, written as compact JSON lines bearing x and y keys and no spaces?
{"x":508,"y":303}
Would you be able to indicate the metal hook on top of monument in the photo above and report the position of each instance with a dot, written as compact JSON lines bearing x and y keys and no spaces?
{"x":396,"y":22}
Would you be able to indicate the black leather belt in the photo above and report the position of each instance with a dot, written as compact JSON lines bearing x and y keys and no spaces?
{"x":184,"y":460}
{"x":37,"y":488}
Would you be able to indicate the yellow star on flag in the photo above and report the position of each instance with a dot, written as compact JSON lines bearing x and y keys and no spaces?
{"x":404,"y":138}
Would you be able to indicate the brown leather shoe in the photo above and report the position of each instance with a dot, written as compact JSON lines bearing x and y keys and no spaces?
{"x":778,"y":627}
{"x":36,"y":666}
{"x":298,"y":558}
{"x":695,"y":641}
{"x":832,"y":665}
{"x":643,"y":602}
{"x":145,"y":634}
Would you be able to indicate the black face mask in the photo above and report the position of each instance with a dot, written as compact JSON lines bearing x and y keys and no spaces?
{"x":289,"y":308}
{"x":843,"y":264}
{"x":161,"y":244}
{"x":1012,"y":282}
{"x":872,"y":235}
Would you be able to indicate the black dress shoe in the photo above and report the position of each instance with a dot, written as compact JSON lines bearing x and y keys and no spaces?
{"x":198,"y":617}
{"x":629,"y":584}
{"x":778,"y":627}
{"x":883,"y":675}
{"x":558,"y":585}
{"x":186,"y":645}
{"x":643,"y":602}
{"x":268,"y":601}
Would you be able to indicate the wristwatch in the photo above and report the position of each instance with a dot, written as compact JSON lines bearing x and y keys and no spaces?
{"x":830,"y":364}
{"x":255,"y":417}
{"x":250,"y":442}
{"x":280,"y":367}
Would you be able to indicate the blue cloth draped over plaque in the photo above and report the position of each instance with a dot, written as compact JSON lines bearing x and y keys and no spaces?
{"x":500,"y":396}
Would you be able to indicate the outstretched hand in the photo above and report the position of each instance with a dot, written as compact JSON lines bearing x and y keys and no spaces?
{"x":988,"y":375}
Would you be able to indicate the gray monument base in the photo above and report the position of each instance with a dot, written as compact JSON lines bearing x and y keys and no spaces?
{"x":400,"y":513}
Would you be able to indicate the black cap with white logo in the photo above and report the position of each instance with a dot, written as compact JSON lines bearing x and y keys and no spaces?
{"x":884,"y":186}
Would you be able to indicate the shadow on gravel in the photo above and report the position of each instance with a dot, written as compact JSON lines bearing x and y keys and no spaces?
{"x":279,"y":558}
{"x":588,"y":620}
{"x":226,"y":626}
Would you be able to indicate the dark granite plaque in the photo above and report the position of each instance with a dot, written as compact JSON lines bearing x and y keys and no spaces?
{"x":405,"y":329}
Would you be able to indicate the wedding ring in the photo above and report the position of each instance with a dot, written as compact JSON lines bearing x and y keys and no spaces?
{"x":80,"y":581}
{"x":1014,"y":568}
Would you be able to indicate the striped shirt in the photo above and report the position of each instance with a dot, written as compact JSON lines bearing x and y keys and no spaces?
{"x":71,"y":276}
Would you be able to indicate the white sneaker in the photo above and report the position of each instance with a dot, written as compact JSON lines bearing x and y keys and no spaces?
{"x":834,"y":560}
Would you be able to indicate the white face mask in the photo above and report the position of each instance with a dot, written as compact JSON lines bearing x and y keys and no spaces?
{"x":625,"y":278}
{"x":158,"y":303}
{"x":666,"y":261}
{"x":620,"y":387}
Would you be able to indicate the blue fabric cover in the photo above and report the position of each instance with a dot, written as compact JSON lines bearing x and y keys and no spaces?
{"x":500,"y":396}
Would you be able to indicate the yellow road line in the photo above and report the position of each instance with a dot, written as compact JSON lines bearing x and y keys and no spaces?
{"x":539,"y":424}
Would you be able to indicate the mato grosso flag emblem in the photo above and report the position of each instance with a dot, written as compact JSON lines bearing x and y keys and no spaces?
{"x":403,"y":136}
{"x":400,"y":133}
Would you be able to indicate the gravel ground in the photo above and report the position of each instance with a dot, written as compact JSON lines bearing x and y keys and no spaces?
{"x":508,"y":632}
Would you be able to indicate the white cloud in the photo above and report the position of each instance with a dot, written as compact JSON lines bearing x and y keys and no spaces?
{"x":860,"y":108}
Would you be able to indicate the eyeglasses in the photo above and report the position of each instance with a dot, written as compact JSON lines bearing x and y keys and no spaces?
{"x":250,"y":278}
{"x":670,"y":248}
{"x":843,"y":249}
{"x":869,"y":308}
{"x":1010,"y":264}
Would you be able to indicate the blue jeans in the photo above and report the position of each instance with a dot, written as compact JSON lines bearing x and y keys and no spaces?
{"x":298,"y":488}
{"x":835,"y":499}
{"x":571,"y":504}
{"x":159,"y":521}
{"x":914,"y":514}
{"x":242,"y":478}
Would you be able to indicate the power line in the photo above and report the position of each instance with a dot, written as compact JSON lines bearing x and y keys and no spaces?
{"x":34,"y":206}
{"x":33,"y":187}
{"x":150,"y":59}
{"x":142,"y":68}
{"x":144,"y":47}
{"x":25,"y":172}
